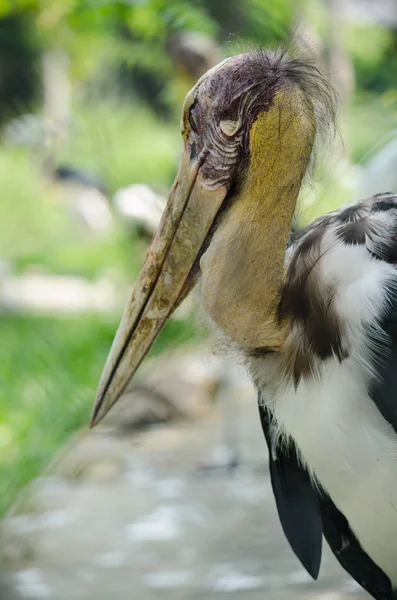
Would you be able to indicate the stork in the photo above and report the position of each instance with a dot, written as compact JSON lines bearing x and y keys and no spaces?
{"x":314,"y":318}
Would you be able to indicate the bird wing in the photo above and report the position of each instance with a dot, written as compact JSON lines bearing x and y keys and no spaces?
{"x":296,"y":500}
{"x":306,"y":512}
{"x":350,"y":554}
{"x":382,"y":340}
{"x":371,"y":223}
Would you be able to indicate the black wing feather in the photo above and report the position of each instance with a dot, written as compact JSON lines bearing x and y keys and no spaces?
{"x":350,"y":554}
{"x":297,"y":503}
{"x":306,"y":513}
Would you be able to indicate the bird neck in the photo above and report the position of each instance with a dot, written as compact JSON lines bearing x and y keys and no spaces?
{"x":243,"y":269}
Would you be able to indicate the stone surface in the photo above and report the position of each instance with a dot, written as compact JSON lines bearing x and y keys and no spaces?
{"x":159,"y":513}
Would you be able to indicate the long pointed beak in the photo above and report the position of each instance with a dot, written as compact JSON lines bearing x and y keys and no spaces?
{"x":163,"y":280}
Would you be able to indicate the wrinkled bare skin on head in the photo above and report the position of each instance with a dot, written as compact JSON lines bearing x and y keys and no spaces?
{"x":219,"y":111}
{"x":218,"y":114}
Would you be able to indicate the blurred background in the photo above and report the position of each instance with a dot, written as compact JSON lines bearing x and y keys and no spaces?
{"x":90,"y":99}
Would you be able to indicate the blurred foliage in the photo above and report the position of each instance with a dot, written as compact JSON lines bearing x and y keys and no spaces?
{"x":146,"y":150}
{"x":123,"y":84}
{"x":48,"y":375}
{"x":374,"y":52}
{"x":130,"y":145}
{"x":18,"y":56}
{"x":99,"y":37}
{"x":373,"y":118}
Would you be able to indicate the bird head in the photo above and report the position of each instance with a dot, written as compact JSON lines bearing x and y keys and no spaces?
{"x":248,"y":127}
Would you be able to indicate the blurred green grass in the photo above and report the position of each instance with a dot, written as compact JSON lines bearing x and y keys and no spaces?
{"x":49,"y":370}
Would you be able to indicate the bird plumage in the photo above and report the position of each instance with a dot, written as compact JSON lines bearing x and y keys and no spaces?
{"x":307,"y":512}
{"x":330,"y":391}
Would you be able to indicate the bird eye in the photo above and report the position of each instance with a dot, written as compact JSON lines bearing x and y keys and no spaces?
{"x":230,"y":128}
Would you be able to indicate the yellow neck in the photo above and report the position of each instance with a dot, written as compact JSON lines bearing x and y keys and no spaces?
{"x":243,"y":268}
